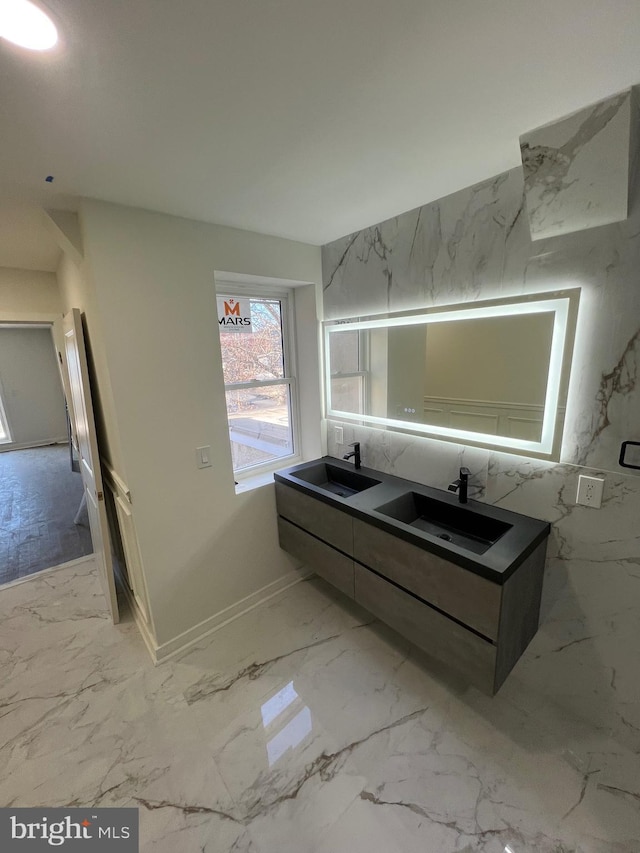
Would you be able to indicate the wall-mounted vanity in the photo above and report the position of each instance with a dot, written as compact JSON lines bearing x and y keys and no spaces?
{"x":492,"y":373}
{"x":462,"y":582}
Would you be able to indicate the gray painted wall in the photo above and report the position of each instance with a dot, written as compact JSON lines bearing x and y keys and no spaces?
{"x":31,"y":387}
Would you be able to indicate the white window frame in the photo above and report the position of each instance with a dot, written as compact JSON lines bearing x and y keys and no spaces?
{"x":286,"y":296}
{"x":4,"y":422}
{"x":364,"y":372}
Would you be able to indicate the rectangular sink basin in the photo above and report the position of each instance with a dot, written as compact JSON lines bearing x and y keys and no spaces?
{"x":336,"y":480}
{"x":457,"y":524}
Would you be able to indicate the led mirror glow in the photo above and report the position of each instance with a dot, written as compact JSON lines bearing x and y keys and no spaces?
{"x":26,"y":25}
{"x":493,"y":374}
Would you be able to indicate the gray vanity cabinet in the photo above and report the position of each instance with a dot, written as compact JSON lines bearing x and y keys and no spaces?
{"x":458,"y":592}
{"x":473,"y":625}
{"x":478,"y":626}
{"x":318,"y":534}
{"x":324,"y":521}
{"x":441,"y":637}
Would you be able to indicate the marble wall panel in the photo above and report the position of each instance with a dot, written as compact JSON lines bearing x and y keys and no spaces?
{"x":475,"y":245}
{"x":432,"y":463}
{"x":472,"y":244}
{"x":577,"y":170}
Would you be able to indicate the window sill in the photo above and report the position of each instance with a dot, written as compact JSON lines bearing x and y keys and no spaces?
{"x":247,"y":482}
{"x":255,"y":482}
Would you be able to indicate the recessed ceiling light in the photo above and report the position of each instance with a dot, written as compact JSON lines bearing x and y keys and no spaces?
{"x":26,"y":25}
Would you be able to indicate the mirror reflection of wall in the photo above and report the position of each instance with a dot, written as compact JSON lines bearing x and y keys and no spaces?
{"x":489,"y":375}
{"x":486,"y":375}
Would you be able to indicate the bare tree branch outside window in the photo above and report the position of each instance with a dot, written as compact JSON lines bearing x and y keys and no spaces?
{"x":259,"y":415}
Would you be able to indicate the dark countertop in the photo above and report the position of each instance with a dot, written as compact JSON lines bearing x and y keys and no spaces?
{"x":497,"y":563}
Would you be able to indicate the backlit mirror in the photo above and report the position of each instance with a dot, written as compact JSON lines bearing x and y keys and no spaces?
{"x":493,"y":374}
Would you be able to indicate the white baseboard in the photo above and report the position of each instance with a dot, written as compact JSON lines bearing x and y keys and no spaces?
{"x":28,"y":445}
{"x":194,"y":635}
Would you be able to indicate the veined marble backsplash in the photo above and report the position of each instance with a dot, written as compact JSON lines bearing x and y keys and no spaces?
{"x":475,"y":245}
{"x":577,"y":170}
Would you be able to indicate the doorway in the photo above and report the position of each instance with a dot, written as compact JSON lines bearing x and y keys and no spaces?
{"x":42,"y":522}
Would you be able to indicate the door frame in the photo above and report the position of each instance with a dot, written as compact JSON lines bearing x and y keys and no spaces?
{"x":70,"y":328}
{"x":24,"y":319}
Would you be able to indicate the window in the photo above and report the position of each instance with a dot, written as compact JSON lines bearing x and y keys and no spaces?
{"x":347,"y":359}
{"x":259,"y":385}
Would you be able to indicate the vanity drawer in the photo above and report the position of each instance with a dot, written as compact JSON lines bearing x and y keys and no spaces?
{"x":462,"y":594}
{"x":329,"y":524}
{"x":324,"y":560}
{"x":437,"y":635}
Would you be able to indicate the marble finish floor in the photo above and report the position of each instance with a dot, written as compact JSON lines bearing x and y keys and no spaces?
{"x":39,"y":499}
{"x":302,"y":726}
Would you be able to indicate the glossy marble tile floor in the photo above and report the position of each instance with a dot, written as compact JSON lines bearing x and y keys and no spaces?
{"x":301,"y":726}
{"x":39,"y":499}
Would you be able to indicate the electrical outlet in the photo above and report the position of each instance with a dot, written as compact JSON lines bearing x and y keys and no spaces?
{"x":590,"y":491}
{"x":339,"y":434}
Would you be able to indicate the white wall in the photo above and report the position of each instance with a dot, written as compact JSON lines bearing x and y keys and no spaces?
{"x":28,"y":295}
{"x":204,"y":548}
{"x":31,"y":388}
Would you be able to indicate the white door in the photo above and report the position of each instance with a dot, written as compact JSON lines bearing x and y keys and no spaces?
{"x":85,"y":430}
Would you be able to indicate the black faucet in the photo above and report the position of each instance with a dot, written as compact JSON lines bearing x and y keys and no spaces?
{"x":461,"y":485}
{"x":355,"y":453}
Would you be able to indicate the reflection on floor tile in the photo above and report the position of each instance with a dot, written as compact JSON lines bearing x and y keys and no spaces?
{"x":302,"y":726}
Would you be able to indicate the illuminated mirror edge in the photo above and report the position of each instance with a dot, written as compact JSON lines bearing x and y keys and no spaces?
{"x":564,"y":304}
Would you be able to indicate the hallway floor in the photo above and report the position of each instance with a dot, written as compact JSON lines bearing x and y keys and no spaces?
{"x":301,"y":727}
{"x":39,"y":498}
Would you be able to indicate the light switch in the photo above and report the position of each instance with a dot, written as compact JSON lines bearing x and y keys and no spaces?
{"x":203,"y":456}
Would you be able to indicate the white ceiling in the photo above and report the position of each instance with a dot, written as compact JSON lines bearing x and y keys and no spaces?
{"x":307,"y":119}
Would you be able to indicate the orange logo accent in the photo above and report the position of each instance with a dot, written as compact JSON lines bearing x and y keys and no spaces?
{"x":86,"y":822}
{"x":231,"y":308}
